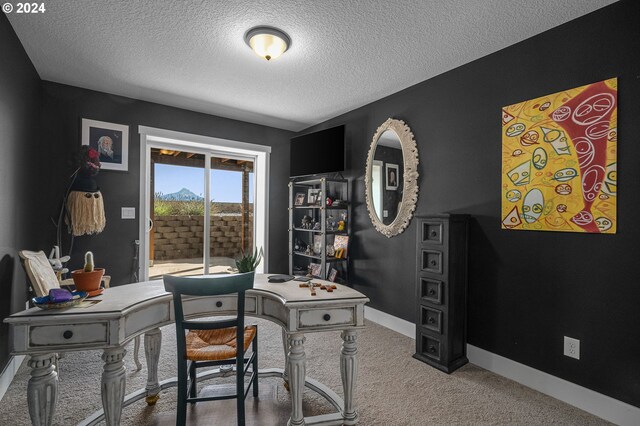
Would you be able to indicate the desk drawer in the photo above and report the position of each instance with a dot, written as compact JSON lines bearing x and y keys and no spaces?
{"x":68,"y":334}
{"x":201,"y":306}
{"x":317,"y":318}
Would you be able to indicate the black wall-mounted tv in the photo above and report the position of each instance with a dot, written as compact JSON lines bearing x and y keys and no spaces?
{"x":318,"y":153}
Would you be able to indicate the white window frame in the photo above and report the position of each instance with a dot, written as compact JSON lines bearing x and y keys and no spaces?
{"x":151,"y":137}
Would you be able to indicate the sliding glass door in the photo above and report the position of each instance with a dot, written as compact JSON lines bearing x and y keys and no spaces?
{"x":177,"y":212}
{"x":201,"y":211}
{"x":203,"y":201}
{"x":232,"y":204}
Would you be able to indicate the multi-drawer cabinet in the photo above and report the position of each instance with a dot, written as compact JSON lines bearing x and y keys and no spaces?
{"x":441,"y":286}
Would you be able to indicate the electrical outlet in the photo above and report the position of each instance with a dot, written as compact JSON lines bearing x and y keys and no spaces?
{"x":572,"y":347}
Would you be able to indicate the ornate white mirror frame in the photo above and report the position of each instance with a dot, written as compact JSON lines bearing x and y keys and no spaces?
{"x":410,"y":178}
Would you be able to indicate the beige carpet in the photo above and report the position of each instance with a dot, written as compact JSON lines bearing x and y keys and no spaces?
{"x":393,"y":388}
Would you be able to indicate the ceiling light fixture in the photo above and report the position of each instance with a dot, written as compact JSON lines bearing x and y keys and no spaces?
{"x":267,"y":42}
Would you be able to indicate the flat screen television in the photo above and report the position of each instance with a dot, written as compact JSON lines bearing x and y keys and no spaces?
{"x":318,"y":152}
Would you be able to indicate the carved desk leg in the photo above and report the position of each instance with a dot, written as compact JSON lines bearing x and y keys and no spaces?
{"x":285,"y":343}
{"x":136,"y":352}
{"x":152,"y":344}
{"x":349,"y":372}
{"x":42,"y":390}
{"x":114,"y":378}
{"x":297,"y":372}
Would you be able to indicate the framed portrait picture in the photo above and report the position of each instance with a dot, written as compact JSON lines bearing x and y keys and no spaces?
{"x":317,"y":244}
{"x":299,"y":201}
{"x":333,"y":274}
{"x":315,"y":269}
{"x":392,"y":177}
{"x":110,"y":140}
{"x":314,"y":196}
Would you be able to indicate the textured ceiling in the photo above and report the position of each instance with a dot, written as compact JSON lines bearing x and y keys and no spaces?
{"x":345,"y":54}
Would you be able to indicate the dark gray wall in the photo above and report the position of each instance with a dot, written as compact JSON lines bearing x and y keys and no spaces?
{"x":19,"y":112}
{"x":526,"y":289}
{"x":63,"y":108}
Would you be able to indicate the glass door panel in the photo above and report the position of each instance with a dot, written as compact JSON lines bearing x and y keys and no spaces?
{"x":177,"y":208}
{"x":232,"y":219}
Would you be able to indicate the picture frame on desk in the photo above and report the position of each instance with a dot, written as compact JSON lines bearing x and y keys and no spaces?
{"x":333,"y":274}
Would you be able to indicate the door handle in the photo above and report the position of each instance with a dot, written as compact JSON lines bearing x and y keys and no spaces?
{"x":150,"y":227}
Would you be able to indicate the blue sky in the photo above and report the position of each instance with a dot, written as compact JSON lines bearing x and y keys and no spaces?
{"x":226,"y":186}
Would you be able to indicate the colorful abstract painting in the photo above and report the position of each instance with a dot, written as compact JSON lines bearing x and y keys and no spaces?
{"x":559,"y":155}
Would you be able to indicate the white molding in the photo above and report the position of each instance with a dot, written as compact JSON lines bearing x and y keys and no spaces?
{"x":143,"y":212}
{"x":599,"y":405}
{"x":208,"y":146}
{"x":164,"y":135}
{"x":389,"y":321}
{"x":590,"y":401}
{"x":9,"y":373}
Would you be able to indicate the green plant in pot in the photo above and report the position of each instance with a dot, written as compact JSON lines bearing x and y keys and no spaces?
{"x":88,"y":279}
{"x":249,"y":262}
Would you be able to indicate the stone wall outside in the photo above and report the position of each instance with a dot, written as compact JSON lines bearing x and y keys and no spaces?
{"x":180,"y":237}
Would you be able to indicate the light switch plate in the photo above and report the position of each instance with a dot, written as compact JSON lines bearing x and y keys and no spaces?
{"x":128,"y":213}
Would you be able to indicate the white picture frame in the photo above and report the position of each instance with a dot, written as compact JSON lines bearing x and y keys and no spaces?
{"x":314,"y":196}
{"x":110,"y":140}
{"x":391,"y":176}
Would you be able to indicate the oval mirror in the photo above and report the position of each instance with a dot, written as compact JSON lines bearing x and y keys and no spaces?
{"x":392,"y":177}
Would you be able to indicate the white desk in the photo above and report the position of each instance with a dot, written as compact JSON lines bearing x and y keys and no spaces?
{"x":131,"y":310}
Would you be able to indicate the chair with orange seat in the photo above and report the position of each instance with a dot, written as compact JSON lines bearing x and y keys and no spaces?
{"x":213,"y":342}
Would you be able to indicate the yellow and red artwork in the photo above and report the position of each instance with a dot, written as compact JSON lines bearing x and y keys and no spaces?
{"x":559,"y":161}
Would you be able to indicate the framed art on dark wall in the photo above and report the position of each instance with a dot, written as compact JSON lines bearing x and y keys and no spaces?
{"x":110,"y":140}
{"x":392,"y":177}
{"x":560,"y":162}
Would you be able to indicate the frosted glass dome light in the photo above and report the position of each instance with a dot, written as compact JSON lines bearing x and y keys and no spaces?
{"x":267,"y":42}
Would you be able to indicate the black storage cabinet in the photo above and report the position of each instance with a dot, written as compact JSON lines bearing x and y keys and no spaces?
{"x":441,"y":287}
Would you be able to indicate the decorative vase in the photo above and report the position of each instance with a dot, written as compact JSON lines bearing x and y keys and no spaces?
{"x":88,"y":281}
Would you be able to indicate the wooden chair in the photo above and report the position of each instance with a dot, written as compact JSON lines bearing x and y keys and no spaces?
{"x":214,"y":342}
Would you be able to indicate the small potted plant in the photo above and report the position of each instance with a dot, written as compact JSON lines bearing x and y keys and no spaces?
{"x":249,"y":262}
{"x":89,"y":278}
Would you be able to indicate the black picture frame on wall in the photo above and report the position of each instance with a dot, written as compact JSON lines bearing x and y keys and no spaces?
{"x":110,"y":140}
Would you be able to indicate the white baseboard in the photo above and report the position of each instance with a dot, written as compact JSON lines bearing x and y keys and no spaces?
{"x":9,"y":372}
{"x":590,"y":401}
{"x":599,"y":405}
{"x":389,"y":321}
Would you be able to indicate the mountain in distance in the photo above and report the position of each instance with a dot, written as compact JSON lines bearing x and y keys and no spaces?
{"x":183,"y":195}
